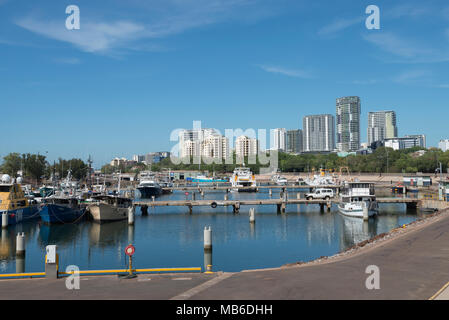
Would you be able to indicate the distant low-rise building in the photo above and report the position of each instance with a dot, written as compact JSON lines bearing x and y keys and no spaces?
{"x":407,"y":142}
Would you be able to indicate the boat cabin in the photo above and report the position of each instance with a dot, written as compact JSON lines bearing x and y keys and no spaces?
{"x":358,"y":189}
{"x":12,"y":197}
{"x":120,"y":202}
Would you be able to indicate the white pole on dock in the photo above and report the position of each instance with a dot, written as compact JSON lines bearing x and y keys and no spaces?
{"x":252,"y":216}
{"x":207,"y":238}
{"x":20,"y":244}
{"x":298,"y":196}
{"x":131,"y":215}
{"x":4,"y":220}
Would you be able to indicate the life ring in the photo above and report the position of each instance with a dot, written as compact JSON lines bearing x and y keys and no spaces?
{"x":213,"y":205}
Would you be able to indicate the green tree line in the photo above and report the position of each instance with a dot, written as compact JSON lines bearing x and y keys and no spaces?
{"x":382,"y":160}
{"x":37,"y":168}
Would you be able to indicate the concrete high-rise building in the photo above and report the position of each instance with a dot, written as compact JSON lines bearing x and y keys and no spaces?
{"x":348,"y":124}
{"x":215,"y":146}
{"x":381,"y":125}
{"x":278,"y":139}
{"x":318,"y":133}
{"x":294,"y":141}
{"x":245,"y":146}
{"x":444,"y":145}
{"x":203,"y":142}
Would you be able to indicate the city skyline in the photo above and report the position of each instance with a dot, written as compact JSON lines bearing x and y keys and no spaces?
{"x":244,"y":64}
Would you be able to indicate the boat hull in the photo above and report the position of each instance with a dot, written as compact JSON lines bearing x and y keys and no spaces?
{"x":355,"y":212}
{"x":23,"y":214}
{"x":105,"y":213}
{"x":148,"y":192}
{"x":54,"y":214}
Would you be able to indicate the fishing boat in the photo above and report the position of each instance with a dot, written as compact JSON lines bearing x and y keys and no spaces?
{"x":243,"y":180}
{"x":61,"y":209}
{"x":358,"y":200}
{"x":14,"y":203}
{"x":109,"y":208}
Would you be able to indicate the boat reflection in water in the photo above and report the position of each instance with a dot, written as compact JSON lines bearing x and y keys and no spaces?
{"x":107,"y":234}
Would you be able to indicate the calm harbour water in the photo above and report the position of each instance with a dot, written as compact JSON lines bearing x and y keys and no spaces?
{"x":171,"y":237}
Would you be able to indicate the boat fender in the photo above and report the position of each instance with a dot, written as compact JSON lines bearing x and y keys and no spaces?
{"x":213,"y":205}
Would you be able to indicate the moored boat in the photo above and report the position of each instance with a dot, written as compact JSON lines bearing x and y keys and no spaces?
{"x":61,"y":209}
{"x":243,"y":180}
{"x":14,"y":203}
{"x":109,"y":208}
{"x":358,"y":200}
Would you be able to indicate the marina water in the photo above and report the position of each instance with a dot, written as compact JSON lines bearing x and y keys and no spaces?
{"x":171,"y":237}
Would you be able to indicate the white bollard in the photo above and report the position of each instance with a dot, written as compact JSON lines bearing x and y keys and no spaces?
{"x":20,"y":244}
{"x":298,"y":196}
{"x":226,"y":197}
{"x":208,"y":238}
{"x":4,"y":219}
{"x":252,"y":216}
{"x":131,"y":215}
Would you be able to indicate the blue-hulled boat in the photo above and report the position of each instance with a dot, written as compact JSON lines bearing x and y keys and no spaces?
{"x":61,"y":210}
{"x":14,"y":203}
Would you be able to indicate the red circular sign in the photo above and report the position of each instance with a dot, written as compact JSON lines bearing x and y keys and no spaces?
{"x":186,"y":193}
{"x":129,"y":250}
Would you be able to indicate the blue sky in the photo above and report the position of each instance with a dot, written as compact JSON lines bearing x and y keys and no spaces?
{"x":136,"y":70}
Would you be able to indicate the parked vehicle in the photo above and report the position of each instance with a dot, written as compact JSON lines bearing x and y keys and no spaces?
{"x":320,"y":193}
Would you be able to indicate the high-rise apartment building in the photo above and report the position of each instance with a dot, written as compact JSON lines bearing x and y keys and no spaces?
{"x":318,"y":133}
{"x":278,"y":139}
{"x":381,"y":125}
{"x":348,"y":124}
{"x":203,"y":142}
{"x":245,"y":146}
{"x":294,"y":141}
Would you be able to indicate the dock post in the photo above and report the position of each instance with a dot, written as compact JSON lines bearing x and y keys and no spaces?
{"x":131,"y":215}
{"x":5,"y":220}
{"x":252,"y":217}
{"x":202,"y":193}
{"x":298,"y":196}
{"x":208,"y":238}
{"x":51,"y":262}
{"x":20,"y":244}
{"x":329,"y":205}
{"x":144,"y":210}
{"x":321,"y":206}
{"x":190,"y":209}
{"x":278,"y":208}
{"x":236,"y":207}
{"x":193,"y":196}
{"x":270,"y":192}
{"x":226,"y":197}
{"x":283,"y":207}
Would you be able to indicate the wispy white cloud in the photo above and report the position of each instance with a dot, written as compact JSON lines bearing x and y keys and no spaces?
{"x":286,"y":72}
{"x":339,"y":25}
{"x":406,"y":50}
{"x":174,"y":17}
{"x":413,"y":76}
